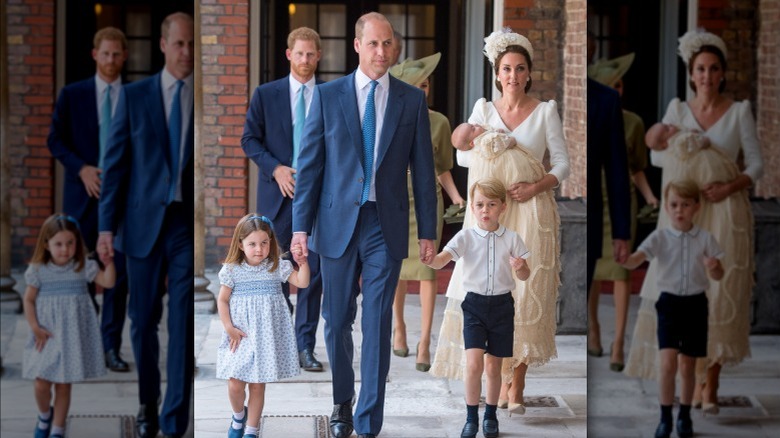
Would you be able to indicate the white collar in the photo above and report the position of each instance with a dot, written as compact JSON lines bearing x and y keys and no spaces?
{"x":295,"y":85}
{"x":101,"y":84}
{"x":483,"y":233}
{"x":168,"y":80}
{"x":694,"y":231}
{"x":362,"y":80}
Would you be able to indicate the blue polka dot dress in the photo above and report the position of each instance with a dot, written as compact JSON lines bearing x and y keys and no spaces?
{"x":257,"y":307}
{"x":63,"y":307}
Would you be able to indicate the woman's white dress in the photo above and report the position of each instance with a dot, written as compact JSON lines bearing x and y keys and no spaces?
{"x":729,"y":221}
{"x":537,"y":223}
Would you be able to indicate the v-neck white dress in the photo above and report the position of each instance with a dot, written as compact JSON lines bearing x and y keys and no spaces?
{"x":729,"y":221}
{"x":537,"y":223}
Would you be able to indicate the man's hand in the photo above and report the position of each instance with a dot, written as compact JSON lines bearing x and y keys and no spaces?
{"x":426,"y":251}
{"x":620,"y":251}
{"x":90,"y":176}
{"x":105,"y":246}
{"x":283,"y":176}
{"x":300,"y":250}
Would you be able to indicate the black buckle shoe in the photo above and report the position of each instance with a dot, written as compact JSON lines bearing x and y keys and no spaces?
{"x":147,"y":423}
{"x":115,"y":363}
{"x":341,"y":421}
{"x":684,"y":428}
{"x":664,"y":430}
{"x":490,"y":428}
{"x":469,"y":430}
{"x":308,"y":362}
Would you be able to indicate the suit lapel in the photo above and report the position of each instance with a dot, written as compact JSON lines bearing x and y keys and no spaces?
{"x":395,"y":106}
{"x":91,"y":109}
{"x":284,"y":110}
{"x":349,"y":107}
{"x":155,"y":108}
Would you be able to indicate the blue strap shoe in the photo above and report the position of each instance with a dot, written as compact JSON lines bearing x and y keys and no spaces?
{"x":237,"y":433}
{"x":44,"y":433}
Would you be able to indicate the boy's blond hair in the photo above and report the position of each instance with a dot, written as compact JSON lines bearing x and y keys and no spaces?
{"x":490,"y":188}
{"x":685,"y":188}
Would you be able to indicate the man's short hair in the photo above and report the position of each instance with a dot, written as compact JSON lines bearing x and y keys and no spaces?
{"x":166,"y":24}
{"x":303,"y":34}
{"x":110,"y":34}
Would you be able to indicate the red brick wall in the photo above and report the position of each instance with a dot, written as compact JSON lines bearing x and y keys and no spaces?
{"x":574,"y":93}
{"x":225,"y":41}
{"x":768,"y":108}
{"x":30,"y":34}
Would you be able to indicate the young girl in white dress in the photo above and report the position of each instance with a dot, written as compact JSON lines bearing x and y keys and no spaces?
{"x":64,"y":346}
{"x":258,"y":344}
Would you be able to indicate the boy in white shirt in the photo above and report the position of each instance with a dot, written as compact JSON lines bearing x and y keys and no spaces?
{"x":686,"y":256}
{"x":488,"y":309}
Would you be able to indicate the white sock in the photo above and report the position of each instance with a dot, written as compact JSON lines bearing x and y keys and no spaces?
{"x":44,"y":420}
{"x":250,"y":430}
{"x":237,"y":416}
{"x":55,"y":430}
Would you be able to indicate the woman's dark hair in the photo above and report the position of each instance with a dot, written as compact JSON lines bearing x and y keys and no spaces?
{"x":514,"y":49}
{"x":715,"y":51}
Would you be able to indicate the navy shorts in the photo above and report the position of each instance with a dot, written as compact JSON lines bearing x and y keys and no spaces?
{"x":682,"y":323}
{"x":489,"y":323}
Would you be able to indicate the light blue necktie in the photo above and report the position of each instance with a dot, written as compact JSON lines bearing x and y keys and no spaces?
{"x":369,"y":136}
{"x":105,"y":116}
{"x":174,"y":138}
{"x":300,"y":116}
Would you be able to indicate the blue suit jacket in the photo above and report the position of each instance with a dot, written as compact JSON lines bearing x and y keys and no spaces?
{"x":74,"y":141}
{"x":138,"y":169}
{"x":330,"y":174}
{"x":267,"y":140}
{"x":607,"y":150}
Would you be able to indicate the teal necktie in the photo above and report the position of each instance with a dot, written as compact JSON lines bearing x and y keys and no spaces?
{"x":174,"y":138}
{"x":300,"y":116}
{"x":105,"y":116}
{"x":369,"y":136}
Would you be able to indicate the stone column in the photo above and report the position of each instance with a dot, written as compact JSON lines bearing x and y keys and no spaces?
{"x":9,"y":299}
{"x":204,"y":300}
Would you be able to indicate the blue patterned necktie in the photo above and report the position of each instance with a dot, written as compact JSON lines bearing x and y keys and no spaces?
{"x":369,"y":136}
{"x":300,"y":116}
{"x":105,"y":116}
{"x":174,"y":138}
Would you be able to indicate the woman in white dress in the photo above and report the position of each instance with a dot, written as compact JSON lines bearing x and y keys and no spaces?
{"x":730,"y":129}
{"x":531,"y":212}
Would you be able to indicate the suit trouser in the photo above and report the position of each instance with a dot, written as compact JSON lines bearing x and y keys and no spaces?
{"x":172,"y":255}
{"x":308,"y":300}
{"x":366,"y":254}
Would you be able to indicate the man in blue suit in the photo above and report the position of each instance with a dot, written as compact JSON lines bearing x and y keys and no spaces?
{"x":272,"y":134}
{"x":148,"y":204}
{"x":78,"y":138}
{"x":364,"y":133}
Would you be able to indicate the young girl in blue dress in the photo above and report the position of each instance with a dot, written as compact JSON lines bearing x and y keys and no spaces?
{"x":258,"y":344}
{"x":64,"y":346}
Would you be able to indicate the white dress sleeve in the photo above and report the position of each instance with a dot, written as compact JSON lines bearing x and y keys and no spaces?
{"x":478,"y":117}
{"x":672,"y":117}
{"x":91,"y":269}
{"x":559,"y":156}
{"x":754,"y":165}
{"x":226,"y":275}
{"x":284,"y":270}
{"x":31,"y":276}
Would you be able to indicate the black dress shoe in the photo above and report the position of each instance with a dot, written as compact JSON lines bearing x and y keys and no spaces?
{"x":115,"y":363}
{"x":490,"y":428}
{"x":341,"y":421}
{"x":664,"y":430}
{"x":147,"y":423}
{"x":469,"y":430}
{"x":684,"y":427}
{"x":308,"y":362}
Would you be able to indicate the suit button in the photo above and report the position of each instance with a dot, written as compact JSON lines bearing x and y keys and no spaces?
{"x":357,"y":203}
{"x":360,"y":180}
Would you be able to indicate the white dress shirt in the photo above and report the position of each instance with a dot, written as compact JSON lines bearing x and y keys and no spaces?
{"x":100,"y":91}
{"x":168,"y":85}
{"x":381,"y":93}
{"x":485,"y":254}
{"x":307,"y":96}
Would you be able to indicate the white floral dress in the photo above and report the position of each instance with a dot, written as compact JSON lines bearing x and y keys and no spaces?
{"x":75,"y":352}
{"x":257,"y":308}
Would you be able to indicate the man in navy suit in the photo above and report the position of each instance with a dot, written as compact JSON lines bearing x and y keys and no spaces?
{"x":272,"y":132}
{"x":146,"y":209}
{"x":364,"y":133}
{"x":78,"y":137}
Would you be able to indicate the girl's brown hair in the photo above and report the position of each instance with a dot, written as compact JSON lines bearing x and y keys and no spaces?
{"x":51,"y":226}
{"x":514,"y":49}
{"x":246,"y":226}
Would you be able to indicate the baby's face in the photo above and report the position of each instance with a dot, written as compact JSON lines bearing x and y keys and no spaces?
{"x":661,"y":133}
{"x":473,"y":131}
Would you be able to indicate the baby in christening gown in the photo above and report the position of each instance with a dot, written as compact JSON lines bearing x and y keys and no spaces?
{"x":688,"y":154}
{"x":498,"y":155}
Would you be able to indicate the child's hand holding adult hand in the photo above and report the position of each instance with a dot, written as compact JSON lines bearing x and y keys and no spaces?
{"x":517,"y":263}
{"x":235,"y":336}
{"x":41,"y":336}
{"x":711,"y":263}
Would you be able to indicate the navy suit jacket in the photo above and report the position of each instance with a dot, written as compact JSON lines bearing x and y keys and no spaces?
{"x":267,"y":140}
{"x":74,"y":141}
{"x":607,"y":150}
{"x":330,"y":170}
{"x":137,"y":171}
